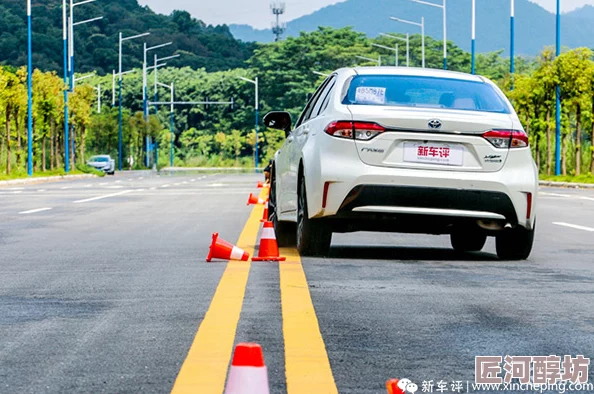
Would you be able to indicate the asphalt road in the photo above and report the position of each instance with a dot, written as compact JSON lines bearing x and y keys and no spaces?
{"x":105,"y":289}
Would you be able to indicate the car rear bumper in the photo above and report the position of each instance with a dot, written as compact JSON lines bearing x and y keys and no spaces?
{"x":430,"y":201}
{"x":361,"y":195}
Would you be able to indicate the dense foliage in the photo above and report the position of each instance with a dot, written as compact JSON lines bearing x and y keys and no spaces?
{"x":96,"y":43}
{"x":225,"y":134}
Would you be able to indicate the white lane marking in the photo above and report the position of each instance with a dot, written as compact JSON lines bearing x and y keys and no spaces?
{"x":66,"y":187}
{"x":102,"y":197}
{"x":114,"y":187}
{"x":587,"y":198}
{"x":34,"y":211}
{"x":141,"y":178}
{"x":574,"y":226}
{"x":193,"y":180}
{"x":103,"y":184}
{"x":17,"y":192}
{"x":16,"y":188}
{"x":153,"y":188}
{"x":118,"y":181}
{"x":41,"y":190}
{"x":165,"y":186}
{"x":89,"y":185}
{"x":216,"y":185}
{"x":139,"y":190}
{"x":555,"y":194}
{"x":184,"y":183}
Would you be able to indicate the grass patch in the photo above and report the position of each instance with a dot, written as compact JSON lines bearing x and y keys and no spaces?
{"x":80,"y":170}
{"x":584,"y":178}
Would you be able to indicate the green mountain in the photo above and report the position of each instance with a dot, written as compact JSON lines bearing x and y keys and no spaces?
{"x":96,"y":44}
{"x":535,"y":26}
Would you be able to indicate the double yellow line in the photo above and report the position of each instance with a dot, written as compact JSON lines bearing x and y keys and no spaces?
{"x":306,"y":360}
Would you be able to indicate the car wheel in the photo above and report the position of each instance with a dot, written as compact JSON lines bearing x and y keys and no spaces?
{"x":285,"y":231}
{"x":515,"y":244}
{"x":468,"y":241}
{"x":313,"y":236}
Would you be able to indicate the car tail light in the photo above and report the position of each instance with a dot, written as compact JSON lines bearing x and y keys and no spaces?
{"x":363,"y":131}
{"x":507,"y":138}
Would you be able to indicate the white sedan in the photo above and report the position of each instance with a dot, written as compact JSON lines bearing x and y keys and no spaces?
{"x":405,"y":150}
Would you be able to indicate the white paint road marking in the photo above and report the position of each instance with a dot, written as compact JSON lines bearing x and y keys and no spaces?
{"x":141,"y":178}
{"x":103,"y":184}
{"x":587,"y":198}
{"x":34,"y":211}
{"x":555,"y":195}
{"x":16,"y":188}
{"x":102,"y":197}
{"x":41,"y":190}
{"x":574,"y":226}
{"x":165,"y":186}
{"x":66,"y":187}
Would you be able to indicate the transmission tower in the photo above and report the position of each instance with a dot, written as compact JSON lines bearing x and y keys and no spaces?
{"x":278,"y":28}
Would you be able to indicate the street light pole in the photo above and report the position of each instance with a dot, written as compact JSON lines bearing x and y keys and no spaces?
{"x":378,"y":60}
{"x":171,"y":126}
{"x":445,"y":28}
{"x":422,"y":26}
{"x":144,"y":93}
{"x":512,"y":43}
{"x":257,"y":108}
{"x":98,"y":89}
{"x":29,"y":92}
{"x":156,"y":74}
{"x":558,"y":99}
{"x":120,"y":74}
{"x":66,"y":127}
{"x":473,"y":49}
{"x":395,"y":50}
{"x":407,"y":40}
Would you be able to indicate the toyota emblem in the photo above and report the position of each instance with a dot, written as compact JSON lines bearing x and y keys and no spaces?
{"x":435,"y":124}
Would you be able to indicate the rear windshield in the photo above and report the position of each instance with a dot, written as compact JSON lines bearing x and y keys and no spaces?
{"x":424,"y":92}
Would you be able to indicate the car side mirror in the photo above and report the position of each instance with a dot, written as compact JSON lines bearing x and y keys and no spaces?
{"x":279,"y":120}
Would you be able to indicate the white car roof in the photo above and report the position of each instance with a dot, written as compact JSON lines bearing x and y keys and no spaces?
{"x":415,"y":71}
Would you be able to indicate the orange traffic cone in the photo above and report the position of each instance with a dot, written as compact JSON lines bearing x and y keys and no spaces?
{"x":260,"y":185}
{"x":393,"y":387}
{"x":268,"y":246}
{"x":221,"y":249}
{"x":253,"y":200}
{"x":265,"y":214}
{"x":248,"y":373}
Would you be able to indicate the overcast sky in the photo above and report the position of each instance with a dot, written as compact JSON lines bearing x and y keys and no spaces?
{"x":257,"y":12}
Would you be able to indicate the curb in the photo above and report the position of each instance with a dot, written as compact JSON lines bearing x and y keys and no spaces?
{"x":28,"y":181}
{"x":567,"y":185}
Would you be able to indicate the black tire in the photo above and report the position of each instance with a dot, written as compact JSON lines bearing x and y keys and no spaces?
{"x":285,"y":231}
{"x":468,"y":241}
{"x":313,"y":236}
{"x":515,"y":244}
